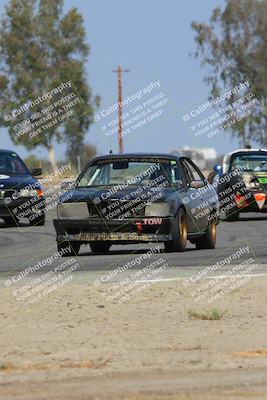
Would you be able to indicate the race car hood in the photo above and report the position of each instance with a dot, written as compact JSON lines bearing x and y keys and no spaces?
{"x":98,"y":195}
{"x":17,"y":182}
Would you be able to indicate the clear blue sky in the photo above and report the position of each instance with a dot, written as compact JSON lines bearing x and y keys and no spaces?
{"x":153,"y":39}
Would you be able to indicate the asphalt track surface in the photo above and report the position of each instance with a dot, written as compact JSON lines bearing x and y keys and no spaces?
{"x":24,"y":246}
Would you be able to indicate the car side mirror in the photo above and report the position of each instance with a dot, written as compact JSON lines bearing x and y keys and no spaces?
{"x":68,"y":185}
{"x":37,"y":171}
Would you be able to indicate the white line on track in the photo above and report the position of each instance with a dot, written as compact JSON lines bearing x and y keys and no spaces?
{"x":208,"y":277}
{"x":235,"y":276}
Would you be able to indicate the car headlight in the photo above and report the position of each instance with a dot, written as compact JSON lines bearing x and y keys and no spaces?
{"x":31,"y":193}
{"x":157,"y":210}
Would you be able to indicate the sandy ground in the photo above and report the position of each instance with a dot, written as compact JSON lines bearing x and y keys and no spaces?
{"x":74,"y":344}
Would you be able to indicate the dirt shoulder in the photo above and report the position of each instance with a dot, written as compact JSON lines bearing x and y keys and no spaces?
{"x":76,"y":345}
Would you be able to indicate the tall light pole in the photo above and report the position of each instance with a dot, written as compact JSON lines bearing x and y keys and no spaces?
{"x":120,"y":71}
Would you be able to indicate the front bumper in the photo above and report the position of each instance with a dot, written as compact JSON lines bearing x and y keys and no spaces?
{"x":21,"y":207}
{"x":126,"y":231}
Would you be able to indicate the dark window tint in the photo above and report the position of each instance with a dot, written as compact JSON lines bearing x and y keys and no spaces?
{"x":11,"y":164}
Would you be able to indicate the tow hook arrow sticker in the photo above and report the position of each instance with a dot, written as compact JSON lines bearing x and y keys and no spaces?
{"x":139,"y":227}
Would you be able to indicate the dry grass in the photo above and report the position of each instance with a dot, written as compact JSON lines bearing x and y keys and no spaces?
{"x":211,"y":315}
{"x":251,"y":353}
{"x":10,"y":367}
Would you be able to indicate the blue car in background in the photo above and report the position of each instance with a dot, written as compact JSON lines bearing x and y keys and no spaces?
{"x":21,"y":195}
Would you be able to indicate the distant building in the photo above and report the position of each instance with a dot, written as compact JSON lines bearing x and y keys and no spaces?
{"x":204,"y":158}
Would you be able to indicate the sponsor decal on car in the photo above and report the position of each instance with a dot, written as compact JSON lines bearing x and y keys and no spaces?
{"x":152,"y":221}
{"x":262,"y":179}
{"x":148,"y":221}
{"x":111,"y":236}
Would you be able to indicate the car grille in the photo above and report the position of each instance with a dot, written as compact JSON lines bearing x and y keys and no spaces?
{"x":117,"y":209}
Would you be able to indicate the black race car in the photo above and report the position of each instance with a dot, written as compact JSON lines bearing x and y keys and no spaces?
{"x":21,"y":195}
{"x":133,"y":198}
{"x":242,"y":183}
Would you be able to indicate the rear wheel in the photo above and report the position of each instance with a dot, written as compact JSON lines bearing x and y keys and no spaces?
{"x":178,"y":233}
{"x":100,"y":247}
{"x":68,"y":248}
{"x":208,"y":241}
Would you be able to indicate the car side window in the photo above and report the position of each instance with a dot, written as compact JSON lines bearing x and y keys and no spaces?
{"x":188,"y":174}
{"x":175,"y":174}
{"x":191,"y":173}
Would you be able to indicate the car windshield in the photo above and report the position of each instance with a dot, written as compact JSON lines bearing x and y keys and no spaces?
{"x":130,"y":172}
{"x":11,"y":164}
{"x":250,"y":162}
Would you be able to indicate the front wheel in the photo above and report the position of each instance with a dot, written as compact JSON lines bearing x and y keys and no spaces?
{"x":67,"y":249}
{"x":11,"y":221}
{"x":178,"y":233}
{"x":100,"y":247}
{"x":208,"y":241}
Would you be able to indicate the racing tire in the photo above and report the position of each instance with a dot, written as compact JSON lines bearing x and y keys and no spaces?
{"x":68,"y":248}
{"x":208,"y":241}
{"x":178,"y":234}
{"x":39,"y":220}
{"x":11,"y":221}
{"x":100,"y":247}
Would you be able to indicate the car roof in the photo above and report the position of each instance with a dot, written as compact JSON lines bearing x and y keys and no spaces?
{"x":129,"y":155}
{"x":245,"y":151}
{"x":227,"y":158}
{"x":7,"y":151}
